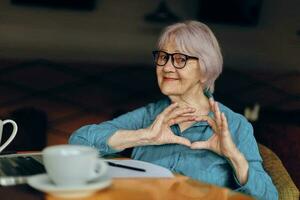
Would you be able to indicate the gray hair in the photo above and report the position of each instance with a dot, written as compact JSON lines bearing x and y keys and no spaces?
{"x":196,"y":39}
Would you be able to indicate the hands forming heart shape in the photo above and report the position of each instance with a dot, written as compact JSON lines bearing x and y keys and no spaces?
{"x":220,"y":142}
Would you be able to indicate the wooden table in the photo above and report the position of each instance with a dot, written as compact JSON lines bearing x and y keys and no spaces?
{"x":178,"y":188}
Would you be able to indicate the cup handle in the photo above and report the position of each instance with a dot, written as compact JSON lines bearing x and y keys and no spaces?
{"x":100,"y":169}
{"x":13,"y":134}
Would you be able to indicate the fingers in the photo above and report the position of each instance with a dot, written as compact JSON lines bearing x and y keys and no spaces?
{"x":200,"y":145}
{"x":209,"y":120}
{"x":179,"y":112}
{"x":215,"y":108}
{"x":180,"y":140}
{"x":217,"y":114}
{"x":169,"y":109}
{"x":172,"y":111}
{"x":224,"y":123}
{"x":172,"y":115}
{"x":211,"y":104}
{"x":220,"y":119}
{"x":181,"y":119}
{"x":213,"y":124}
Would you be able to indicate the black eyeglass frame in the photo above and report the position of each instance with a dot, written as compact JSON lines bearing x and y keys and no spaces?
{"x":154,"y":53}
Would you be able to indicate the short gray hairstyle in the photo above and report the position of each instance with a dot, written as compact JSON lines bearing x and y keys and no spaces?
{"x":196,"y":39}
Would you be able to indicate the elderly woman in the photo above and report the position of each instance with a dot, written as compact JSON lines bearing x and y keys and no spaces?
{"x":187,"y":132}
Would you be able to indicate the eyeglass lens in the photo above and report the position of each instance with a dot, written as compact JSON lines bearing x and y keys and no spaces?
{"x":178,"y":60}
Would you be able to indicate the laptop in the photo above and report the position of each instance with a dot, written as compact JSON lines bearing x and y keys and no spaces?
{"x":16,"y":168}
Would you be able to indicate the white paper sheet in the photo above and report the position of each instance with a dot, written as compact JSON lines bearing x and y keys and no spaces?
{"x":152,"y":170}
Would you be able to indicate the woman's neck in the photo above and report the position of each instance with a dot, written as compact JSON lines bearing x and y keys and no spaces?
{"x":195,"y":100}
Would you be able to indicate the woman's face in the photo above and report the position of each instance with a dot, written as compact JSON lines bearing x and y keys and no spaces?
{"x":178,"y":82}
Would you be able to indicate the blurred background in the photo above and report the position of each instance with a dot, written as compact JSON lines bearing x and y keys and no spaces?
{"x":67,"y":63}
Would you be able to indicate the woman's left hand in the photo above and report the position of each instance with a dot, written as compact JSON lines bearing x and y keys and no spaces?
{"x":220,"y":142}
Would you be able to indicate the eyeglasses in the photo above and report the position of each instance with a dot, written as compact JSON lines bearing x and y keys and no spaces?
{"x":179,"y":60}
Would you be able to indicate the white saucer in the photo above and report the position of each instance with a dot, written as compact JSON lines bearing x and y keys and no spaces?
{"x":43,"y":183}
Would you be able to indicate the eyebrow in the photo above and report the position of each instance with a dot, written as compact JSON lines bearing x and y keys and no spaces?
{"x":176,"y":51}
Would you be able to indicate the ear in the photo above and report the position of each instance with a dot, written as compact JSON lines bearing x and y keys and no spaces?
{"x":203,"y":78}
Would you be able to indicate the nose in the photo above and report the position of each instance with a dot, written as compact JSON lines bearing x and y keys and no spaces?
{"x":169,"y":66}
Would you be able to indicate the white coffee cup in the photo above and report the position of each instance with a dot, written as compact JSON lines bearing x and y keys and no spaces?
{"x":73,"y":165}
{"x":12,"y":135}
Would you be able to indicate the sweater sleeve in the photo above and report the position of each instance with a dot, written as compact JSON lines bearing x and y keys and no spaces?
{"x":259,"y":183}
{"x":97,"y":135}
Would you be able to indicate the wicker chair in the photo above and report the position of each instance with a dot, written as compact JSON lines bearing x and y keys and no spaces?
{"x":287,"y":190}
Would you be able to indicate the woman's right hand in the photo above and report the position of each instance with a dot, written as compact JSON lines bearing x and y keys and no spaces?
{"x":160,"y":132}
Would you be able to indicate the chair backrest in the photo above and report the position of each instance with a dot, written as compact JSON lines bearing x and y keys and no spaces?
{"x":286,"y":188}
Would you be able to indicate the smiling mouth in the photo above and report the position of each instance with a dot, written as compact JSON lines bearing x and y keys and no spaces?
{"x":170,"y":79}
